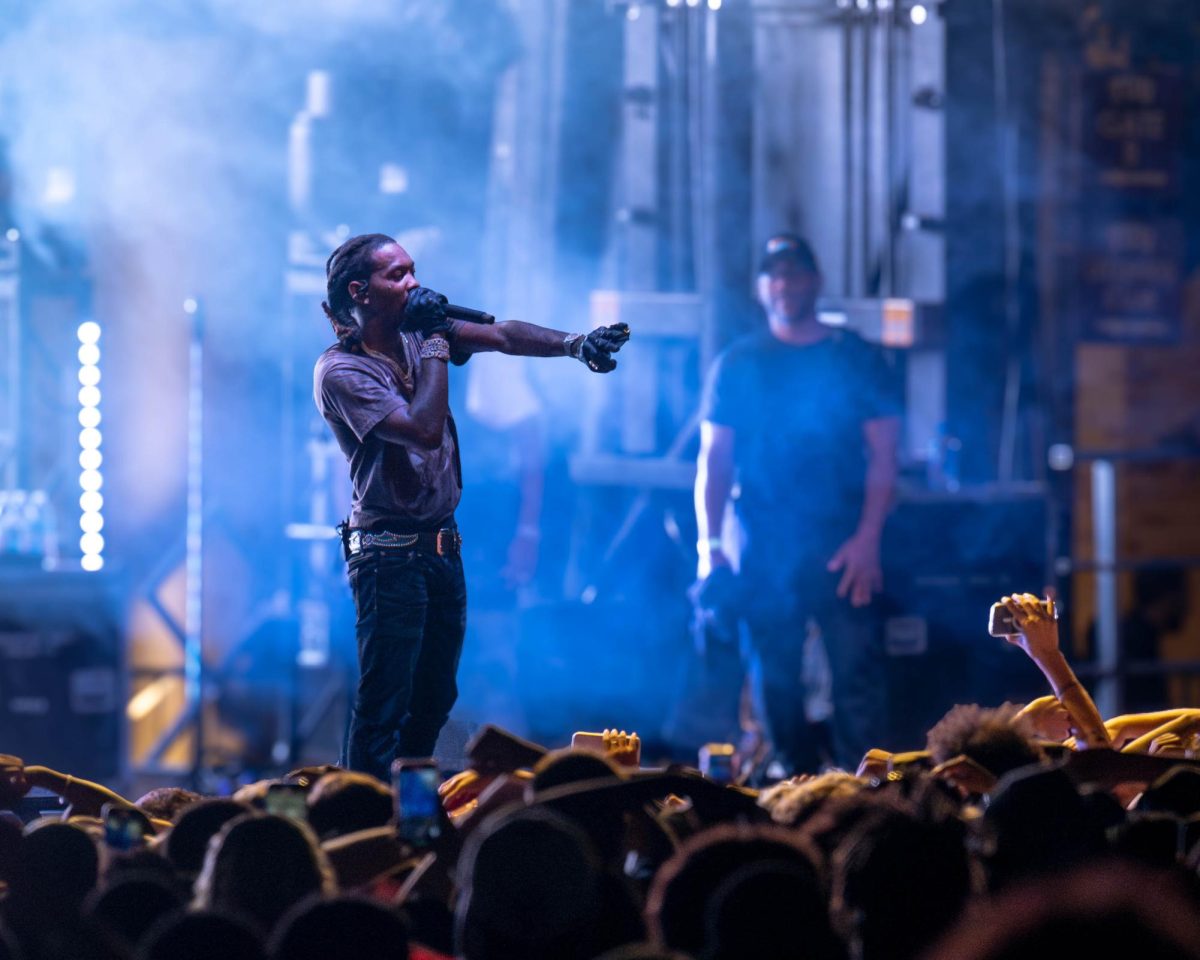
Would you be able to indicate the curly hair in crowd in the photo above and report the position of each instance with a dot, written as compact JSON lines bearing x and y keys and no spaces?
{"x":992,"y":737}
{"x":792,"y":802}
{"x":353,"y":260}
{"x":166,"y":803}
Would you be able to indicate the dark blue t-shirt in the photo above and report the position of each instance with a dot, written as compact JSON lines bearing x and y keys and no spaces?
{"x":797,"y":413}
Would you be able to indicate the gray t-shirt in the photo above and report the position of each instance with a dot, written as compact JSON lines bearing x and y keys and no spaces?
{"x":393,"y":485}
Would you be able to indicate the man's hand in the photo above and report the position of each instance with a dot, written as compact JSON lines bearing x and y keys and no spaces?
{"x":425,"y":313}
{"x":1039,"y":632}
{"x":858,"y":557}
{"x":622,"y":748}
{"x":597,"y":348}
{"x":719,"y":590}
{"x":874,"y":765}
{"x":1174,"y":746}
{"x":307,"y":776}
{"x":967,"y":776}
{"x":711,"y":560}
{"x":1048,"y":718}
{"x":14,"y":784}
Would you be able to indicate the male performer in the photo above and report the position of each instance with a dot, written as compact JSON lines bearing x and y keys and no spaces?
{"x":803,"y":418}
{"x":383,"y":390}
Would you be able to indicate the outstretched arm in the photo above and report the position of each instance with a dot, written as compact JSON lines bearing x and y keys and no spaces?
{"x":85,"y":798}
{"x":517,"y":338}
{"x":514,"y":337}
{"x":1130,"y":726}
{"x":1039,"y":639}
{"x":1178,"y":723}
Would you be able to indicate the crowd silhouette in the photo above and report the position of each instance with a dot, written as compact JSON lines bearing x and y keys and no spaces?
{"x":1027,"y":831}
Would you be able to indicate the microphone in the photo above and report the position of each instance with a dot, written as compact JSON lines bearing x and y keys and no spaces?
{"x":455,"y":312}
{"x":422,"y":299}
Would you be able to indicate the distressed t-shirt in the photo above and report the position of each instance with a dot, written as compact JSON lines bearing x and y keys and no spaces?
{"x":394,"y":486}
{"x":797,"y":413}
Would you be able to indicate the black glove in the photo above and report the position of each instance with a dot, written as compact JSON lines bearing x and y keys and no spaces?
{"x":720,"y":593}
{"x":717,"y":603}
{"x":597,"y":348}
{"x":425,"y":313}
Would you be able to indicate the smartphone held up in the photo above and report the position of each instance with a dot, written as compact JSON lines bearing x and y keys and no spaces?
{"x":418,"y":807}
{"x":1000,"y":618}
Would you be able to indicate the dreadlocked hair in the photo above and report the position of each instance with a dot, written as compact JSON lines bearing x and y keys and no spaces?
{"x":349,"y":262}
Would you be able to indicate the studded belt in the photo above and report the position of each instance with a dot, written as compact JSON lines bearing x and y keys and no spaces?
{"x":446,"y":542}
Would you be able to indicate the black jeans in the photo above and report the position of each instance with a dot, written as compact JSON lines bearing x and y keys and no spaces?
{"x":412,"y":616}
{"x":784,"y":596}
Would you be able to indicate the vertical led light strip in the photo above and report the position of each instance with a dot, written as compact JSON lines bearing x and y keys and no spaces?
{"x":91,"y":500}
{"x":193,"y":644}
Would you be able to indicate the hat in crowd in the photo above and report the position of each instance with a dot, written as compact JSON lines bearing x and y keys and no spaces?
{"x":787,"y":246}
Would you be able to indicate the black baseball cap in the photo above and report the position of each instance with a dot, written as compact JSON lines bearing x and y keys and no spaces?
{"x":787,"y":246}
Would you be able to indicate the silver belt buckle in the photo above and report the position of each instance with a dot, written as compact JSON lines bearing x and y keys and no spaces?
{"x":356,"y":541}
{"x":448,"y":542}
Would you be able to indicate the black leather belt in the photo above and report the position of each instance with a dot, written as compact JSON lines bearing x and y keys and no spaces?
{"x":446,"y":542}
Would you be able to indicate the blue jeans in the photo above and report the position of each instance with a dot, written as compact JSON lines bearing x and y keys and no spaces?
{"x":412,"y":616}
{"x":786,"y":595}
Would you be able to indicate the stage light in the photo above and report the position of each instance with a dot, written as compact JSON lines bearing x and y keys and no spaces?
{"x":693,"y":3}
{"x":1061,"y":456}
{"x":633,"y":12}
{"x":674,"y":3}
{"x":714,"y":4}
{"x":12,"y":235}
{"x":91,"y":520}
{"x":147,"y":700}
{"x":393,"y":179}
{"x":190,"y":305}
{"x":60,"y":186}
{"x":918,"y":14}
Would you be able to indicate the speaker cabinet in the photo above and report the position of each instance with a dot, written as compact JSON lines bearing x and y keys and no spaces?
{"x":61,"y":686}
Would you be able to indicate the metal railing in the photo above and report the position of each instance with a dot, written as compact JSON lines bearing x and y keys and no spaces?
{"x":1110,"y":668}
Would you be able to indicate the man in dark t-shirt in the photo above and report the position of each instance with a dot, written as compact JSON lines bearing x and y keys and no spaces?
{"x":799,"y":430}
{"x":382,"y":388}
